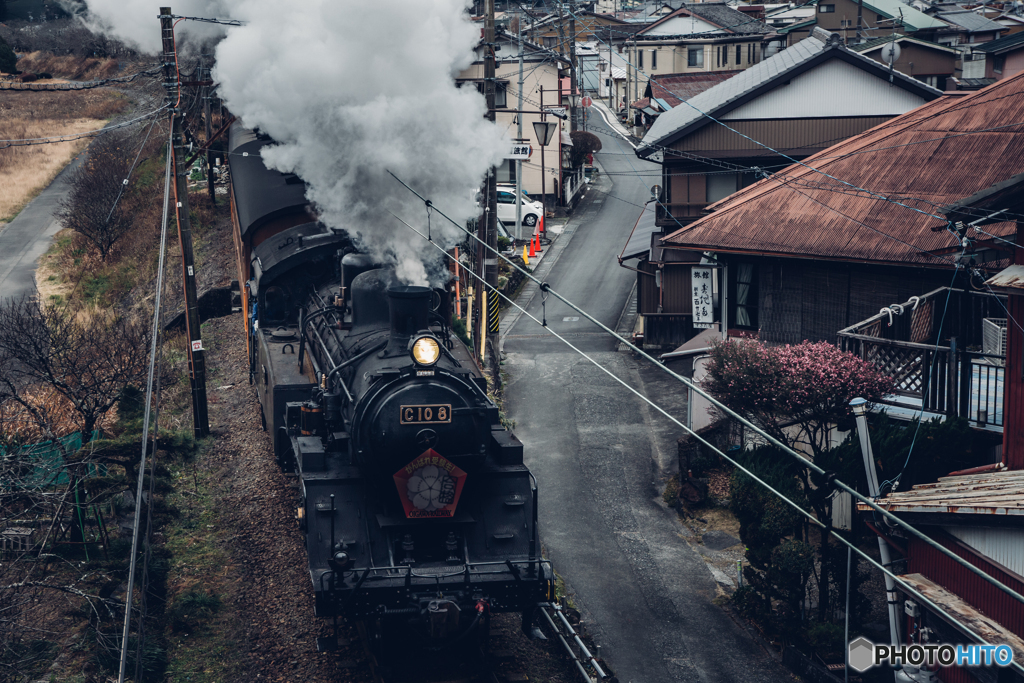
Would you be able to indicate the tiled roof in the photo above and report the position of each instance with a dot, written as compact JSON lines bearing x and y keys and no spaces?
{"x":1004,"y":43}
{"x":933,"y":156}
{"x":875,"y":43}
{"x":676,"y":88}
{"x":732,"y":21}
{"x":724,"y":96}
{"x":972,"y":21}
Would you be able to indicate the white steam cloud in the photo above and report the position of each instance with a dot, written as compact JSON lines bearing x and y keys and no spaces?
{"x":350,"y":91}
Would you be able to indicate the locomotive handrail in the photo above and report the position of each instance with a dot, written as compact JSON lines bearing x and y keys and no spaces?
{"x":302,"y":328}
{"x":350,"y":361}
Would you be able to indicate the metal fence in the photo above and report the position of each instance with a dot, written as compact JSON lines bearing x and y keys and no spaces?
{"x":933,"y":346}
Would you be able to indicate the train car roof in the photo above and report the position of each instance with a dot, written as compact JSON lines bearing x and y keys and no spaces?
{"x":260,"y":194}
{"x":289,"y":249}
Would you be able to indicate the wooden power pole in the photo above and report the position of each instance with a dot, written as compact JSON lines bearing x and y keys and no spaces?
{"x":196,"y":360}
{"x":205,"y":76}
{"x":488,"y":227}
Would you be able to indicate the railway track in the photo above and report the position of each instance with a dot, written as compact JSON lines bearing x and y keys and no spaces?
{"x":489,"y":663}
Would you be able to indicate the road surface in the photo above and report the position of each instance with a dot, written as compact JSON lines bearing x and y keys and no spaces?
{"x":601,"y":455}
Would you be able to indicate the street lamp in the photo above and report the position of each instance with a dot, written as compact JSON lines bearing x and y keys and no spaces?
{"x":544,"y":130}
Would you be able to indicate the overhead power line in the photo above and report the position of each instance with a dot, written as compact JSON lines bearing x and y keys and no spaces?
{"x":828,"y":476}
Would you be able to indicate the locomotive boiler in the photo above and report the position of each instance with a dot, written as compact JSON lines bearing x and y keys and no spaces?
{"x":418,"y":513}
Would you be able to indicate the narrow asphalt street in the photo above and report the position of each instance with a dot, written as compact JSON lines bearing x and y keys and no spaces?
{"x":27,"y":237}
{"x":601,"y":456}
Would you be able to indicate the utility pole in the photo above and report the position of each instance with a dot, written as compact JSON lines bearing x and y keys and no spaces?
{"x":611,"y":77}
{"x":488,"y":229}
{"x":860,"y":21}
{"x":572,"y":70}
{"x":519,"y":134}
{"x":204,"y":75}
{"x":196,"y":360}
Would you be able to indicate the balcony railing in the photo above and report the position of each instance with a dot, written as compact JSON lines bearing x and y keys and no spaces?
{"x":936,"y":349}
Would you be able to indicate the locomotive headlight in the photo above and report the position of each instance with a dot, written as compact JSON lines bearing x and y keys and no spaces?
{"x":426,"y":350}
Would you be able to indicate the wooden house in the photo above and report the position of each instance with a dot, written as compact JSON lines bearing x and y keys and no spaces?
{"x":790,"y":106}
{"x":976,"y":514}
{"x":825,"y":243}
{"x":926,"y":61}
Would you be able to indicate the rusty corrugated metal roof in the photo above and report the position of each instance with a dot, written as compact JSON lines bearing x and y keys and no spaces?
{"x":985,"y":493}
{"x":928,"y":158}
{"x":676,"y":88}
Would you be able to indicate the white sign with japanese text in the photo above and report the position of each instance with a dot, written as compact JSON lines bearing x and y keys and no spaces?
{"x":703,"y":304}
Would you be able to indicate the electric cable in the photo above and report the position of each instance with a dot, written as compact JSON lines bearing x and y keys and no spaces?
{"x":27,"y":142}
{"x":730,"y":412}
{"x":146,"y":414}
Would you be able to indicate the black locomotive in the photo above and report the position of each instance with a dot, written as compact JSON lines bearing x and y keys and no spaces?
{"x":417,"y":509}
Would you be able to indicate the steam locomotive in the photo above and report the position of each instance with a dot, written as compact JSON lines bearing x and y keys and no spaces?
{"x":418,"y":513}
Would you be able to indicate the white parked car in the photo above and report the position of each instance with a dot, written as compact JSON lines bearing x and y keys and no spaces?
{"x":532,"y":211}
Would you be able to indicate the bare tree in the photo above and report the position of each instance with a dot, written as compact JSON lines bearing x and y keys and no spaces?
{"x":100,"y":205}
{"x":87,"y":365}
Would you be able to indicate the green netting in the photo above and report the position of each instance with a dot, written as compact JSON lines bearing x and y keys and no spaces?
{"x":41,"y":465}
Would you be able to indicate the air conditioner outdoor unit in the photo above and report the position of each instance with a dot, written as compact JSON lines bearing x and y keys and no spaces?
{"x":993,"y":339}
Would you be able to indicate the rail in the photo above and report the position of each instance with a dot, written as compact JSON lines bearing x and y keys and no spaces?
{"x":565,"y":633}
{"x":928,"y":346}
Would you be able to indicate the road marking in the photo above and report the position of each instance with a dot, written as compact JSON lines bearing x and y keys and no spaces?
{"x":571,"y":319}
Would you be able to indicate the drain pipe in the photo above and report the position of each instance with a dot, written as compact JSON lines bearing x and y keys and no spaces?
{"x":860,"y":409}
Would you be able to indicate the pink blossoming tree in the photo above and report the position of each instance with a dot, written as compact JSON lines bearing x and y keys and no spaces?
{"x":797,"y":394}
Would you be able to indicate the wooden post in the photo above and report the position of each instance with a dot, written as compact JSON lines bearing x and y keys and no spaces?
{"x":196,"y":355}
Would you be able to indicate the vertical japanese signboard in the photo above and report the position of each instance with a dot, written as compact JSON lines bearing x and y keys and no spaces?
{"x":703,"y":304}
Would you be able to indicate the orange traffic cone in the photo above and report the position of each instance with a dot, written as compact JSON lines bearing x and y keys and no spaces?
{"x":526,"y":259}
{"x":542,"y":223}
{"x":536,"y":239}
{"x":533,"y":251}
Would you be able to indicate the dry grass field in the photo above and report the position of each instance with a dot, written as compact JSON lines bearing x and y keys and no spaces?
{"x":25,"y":171}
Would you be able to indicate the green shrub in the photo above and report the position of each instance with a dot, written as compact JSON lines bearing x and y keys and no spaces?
{"x":459,"y":328}
{"x":190,"y":610}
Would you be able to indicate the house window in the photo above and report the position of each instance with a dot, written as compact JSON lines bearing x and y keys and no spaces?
{"x":739,"y":55}
{"x":500,"y":93}
{"x":639,"y":59}
{"x":743,"y":296}
{"x":998,"y":62}
{"x":695,"y":56}
{"x":654,"y":60}
{"x":845,"y":23}
{"x":721,"y":185}
{"x":750,"y":53}
{"x":755,"y":53}
{"x":506,"y":173}
{"x":826,"y":9}
{"x":725,"y":55}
